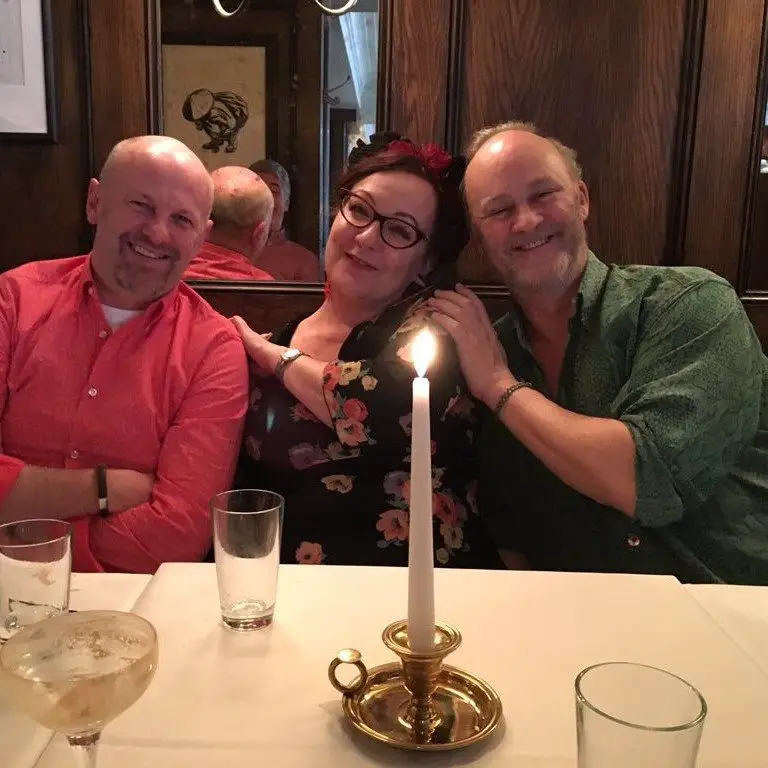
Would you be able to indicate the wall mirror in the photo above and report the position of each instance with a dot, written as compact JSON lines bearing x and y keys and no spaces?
{"x":278,"y":79}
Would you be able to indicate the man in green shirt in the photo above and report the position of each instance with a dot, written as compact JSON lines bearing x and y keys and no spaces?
{"x":627,"y":428}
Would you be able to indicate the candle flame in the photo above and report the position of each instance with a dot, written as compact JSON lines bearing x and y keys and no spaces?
{"x":423,"y":350}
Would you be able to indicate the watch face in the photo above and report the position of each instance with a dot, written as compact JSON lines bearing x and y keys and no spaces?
{"x":291,"y":354}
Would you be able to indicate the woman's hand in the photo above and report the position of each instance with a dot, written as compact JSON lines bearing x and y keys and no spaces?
{"x":260,"y":349}
{"x":483,"y":361}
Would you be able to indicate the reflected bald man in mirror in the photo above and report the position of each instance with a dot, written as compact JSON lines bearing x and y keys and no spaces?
{"x":627,"y":423}
{"x":282,"y":258}
{"x":122,"y":391}
{"x":242,"y":216}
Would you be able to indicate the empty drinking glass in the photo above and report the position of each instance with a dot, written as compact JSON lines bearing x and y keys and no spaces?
{"x":35,"y":570}
{"x":637,"y":716}
{"x":246,"y":539}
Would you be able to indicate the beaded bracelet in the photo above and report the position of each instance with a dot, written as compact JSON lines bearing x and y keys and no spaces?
{"x":508,"y":392}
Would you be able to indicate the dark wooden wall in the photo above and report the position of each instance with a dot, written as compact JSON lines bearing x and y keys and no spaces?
{"x":659,"y":97}
{"x":662,"y":98}
{"x":105,"y":73}
{"x":108,"y":78}
{"x":43,"y":185}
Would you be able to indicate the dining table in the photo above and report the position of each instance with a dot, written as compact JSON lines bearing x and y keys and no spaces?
{"x":224,"y":698}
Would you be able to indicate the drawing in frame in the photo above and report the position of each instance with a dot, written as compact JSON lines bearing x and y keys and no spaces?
{"x":28,"y":109}
{"x":214,"y":100}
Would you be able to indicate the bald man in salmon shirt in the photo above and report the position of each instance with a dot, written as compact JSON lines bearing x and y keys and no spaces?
{"x":241,"y":215}
{"x":122,"y":392}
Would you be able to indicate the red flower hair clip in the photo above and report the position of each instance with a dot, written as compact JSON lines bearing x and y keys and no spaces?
{"x":435,"y":159}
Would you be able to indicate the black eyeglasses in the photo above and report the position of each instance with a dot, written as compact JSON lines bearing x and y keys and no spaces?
{"x":394,"y":232}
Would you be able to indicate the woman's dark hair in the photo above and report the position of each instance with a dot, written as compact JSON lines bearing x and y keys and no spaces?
{"x":451,"y":231}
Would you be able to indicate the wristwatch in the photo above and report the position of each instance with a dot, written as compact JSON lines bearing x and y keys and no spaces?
{"x":285,"y":360}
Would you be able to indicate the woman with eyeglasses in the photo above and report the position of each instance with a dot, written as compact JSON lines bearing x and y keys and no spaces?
{"x":330,"y":411}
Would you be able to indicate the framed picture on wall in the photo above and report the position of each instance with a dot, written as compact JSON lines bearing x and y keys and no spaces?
{"x":27,"y":87}
{"x":215,"y":101}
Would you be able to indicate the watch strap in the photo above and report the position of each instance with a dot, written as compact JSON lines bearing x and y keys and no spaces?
{"x":101,"y":489}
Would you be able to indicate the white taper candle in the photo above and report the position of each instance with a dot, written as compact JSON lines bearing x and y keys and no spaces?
{"x":421,"y":564}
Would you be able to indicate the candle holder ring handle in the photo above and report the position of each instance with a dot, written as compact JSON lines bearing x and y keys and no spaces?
{"x":353,"y":657}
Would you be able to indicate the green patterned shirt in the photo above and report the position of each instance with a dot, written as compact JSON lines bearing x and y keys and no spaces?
{"x":671,"y":353}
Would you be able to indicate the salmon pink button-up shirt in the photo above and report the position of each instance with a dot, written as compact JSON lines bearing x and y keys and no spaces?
{"x":164,"y":394}
{"x":215,"y":262}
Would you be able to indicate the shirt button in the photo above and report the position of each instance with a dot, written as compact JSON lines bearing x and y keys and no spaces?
{"x":93,"y":391}
{"x":75,"y":454}
{"x":633,"y":540}
{"x":103,"y":334}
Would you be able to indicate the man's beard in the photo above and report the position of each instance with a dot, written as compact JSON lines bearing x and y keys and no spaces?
{"x":563,"y":269}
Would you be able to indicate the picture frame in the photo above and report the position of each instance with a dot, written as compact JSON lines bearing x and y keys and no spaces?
{"x":28,"y":104}
{"x":215,"y":100}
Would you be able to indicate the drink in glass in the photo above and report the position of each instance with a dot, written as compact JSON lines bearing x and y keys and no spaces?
{"x":35,"y":571}
{"x":76,"y":672}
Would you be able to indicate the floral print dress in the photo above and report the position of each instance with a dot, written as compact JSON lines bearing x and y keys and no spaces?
{"x":346,"y":488}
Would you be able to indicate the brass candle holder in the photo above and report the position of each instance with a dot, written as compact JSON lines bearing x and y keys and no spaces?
{"x":418,"y":703}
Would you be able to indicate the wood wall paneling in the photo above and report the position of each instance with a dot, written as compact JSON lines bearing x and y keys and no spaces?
{"x":757,"y":270}
{"x":122,"y":48}
{"x":43,"y":184}
{"x":266,"y":306}
{"x":720,"y":170}
{"x":663,"y":116}
{"x":755,"y":242}
{"x":604,"y":77}
{"x":414,"y":68}
{"x":307,"y":87}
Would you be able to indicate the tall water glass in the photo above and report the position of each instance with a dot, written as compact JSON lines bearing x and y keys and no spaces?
{"x":637,"y":716}
{"x":247,"y":526}
{"x":35,"y":571}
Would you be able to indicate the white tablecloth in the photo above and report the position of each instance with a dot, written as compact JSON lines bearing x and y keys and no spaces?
{"x":224,"y":699}
{"x":742,"y":612}
{"x":22,"y":741}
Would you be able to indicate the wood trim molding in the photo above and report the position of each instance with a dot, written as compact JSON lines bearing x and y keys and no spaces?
{"x":119,"y":41}
{"x":307,"y":157}
{"x":154,"y":67}
{"x":725,"y":117}
{"x":275,"y":287}
{"x":86,"y":67}
{"x":384,"y":82}
{"x":682,"y":158}
{"x":454,"y":86}
{"x":754,"y":166}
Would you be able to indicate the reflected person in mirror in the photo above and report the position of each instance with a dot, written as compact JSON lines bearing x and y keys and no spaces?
{"x":241,"y":215}
{"x":330,"y":410}
{"x":282,"y":258}
{"x":123,"y":392}
{"x":627,"y":421}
